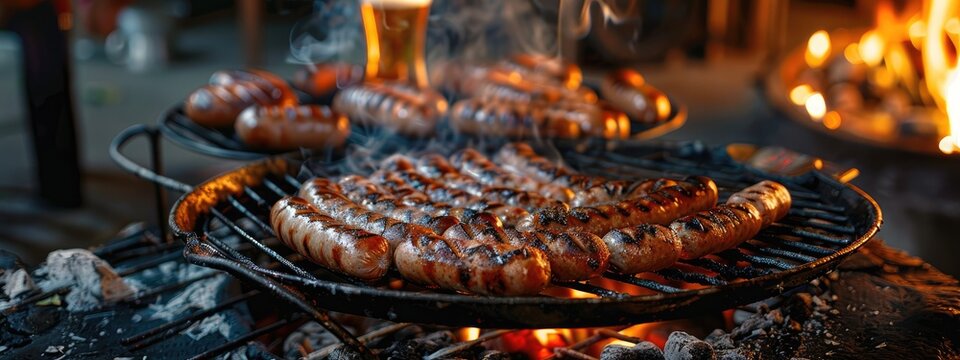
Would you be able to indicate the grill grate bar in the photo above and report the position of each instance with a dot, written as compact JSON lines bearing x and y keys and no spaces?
{"x":292,"y":181}
{"x":240,"y":340}
{"x":690,"y":277}
{"x":649,"y":284}
{"x":211,"y":136}
{"x":366,"y":338}
{"x":170,"y":287}
{"x":757,"y":260}
{"x":590,"y":288}
{"x":787,"y":230}
{"x":797,"y":245}
{"x":729,"y":272}
{"x":796,"y":203}
{"x":243,"y":235}
{"x":839,"y":229}
{"x":820,"y":214}
{"x":166,"y":330}
{"x":274,"y":187}
{"x":150,"y":263}
{"x":779,"y":253}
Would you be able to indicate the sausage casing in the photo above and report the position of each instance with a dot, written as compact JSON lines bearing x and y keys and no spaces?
{"x":717,"y":229}
{"x":291,"y":127}
{"x":329,"y":242}
{"x":641,"y":248}
{"x":219,"y":105}
{"x":626,"y":90}
{"x":661,"y":206}
{"x":771,"y":198}
{"x":397,"y":107}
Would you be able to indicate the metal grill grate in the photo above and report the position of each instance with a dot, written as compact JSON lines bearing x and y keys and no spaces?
{"x":828,"y":221}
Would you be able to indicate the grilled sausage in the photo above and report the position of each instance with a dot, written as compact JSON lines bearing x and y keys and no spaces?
{"x":523,"y":86}
{"x":328,"y":242}
{"x":270,"y":83}
{"x":626,"y":90}
{"x":291,"y":127}
{"x":396,"y":107}
{"x":572,"y":256}
{"x":589,"y":190}
{"x":717,"y":229}
{"x":563,"y":72}
{"x":641,"y":248}
{"x":515,"y":118}
{"x":368,"y":194}
{"x":656,"y":207}
{"x":769,"y":197}
{"x":218,"y":105}
{"x":424,"y":257}
{"x":321,"y":80}
{"x":466,"y":265}
{"x":478,"y":166}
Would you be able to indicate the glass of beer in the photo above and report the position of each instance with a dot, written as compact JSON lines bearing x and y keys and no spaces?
{"x":396,"y":36}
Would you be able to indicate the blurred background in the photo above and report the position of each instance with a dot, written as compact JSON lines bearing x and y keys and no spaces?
{"x":857,"y":95}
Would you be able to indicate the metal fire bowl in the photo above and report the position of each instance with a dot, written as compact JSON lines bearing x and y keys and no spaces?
{"x":192,"y":213}
{"x":786,"y":73}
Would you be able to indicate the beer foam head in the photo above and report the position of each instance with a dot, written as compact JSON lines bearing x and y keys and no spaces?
{"x":398,"y":4}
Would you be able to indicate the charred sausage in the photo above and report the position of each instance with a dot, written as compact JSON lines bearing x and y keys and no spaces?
{"x":328,"y":242}
{"x":656,"y":207}
{"x":368,"y":194}
{"x":514,"y":118}
{"x":641,"y":248}
{"x":478,"y":166}
{"x":717,"y":229}
{"x":218,"y":105}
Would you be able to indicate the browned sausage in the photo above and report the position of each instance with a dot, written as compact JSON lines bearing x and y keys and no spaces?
{"x":589,"y":190}
{"x":521,"y":118}
{"x":363,"y":191}
{"x":270,"y":83}
{"x":424,"y":257}
{"x":328,"y":242}
{"x":572,"y":255}
{"x":218,"y":105}
{"x":660,"y":206}
{"x":320,"y":80}
{"x":397,"y":107}
{"x":626,"y":90}
{"x":291,"y":127}
{"x":478,"y":166}
{"x":641,"y":248}
{"x":563,"y":72}
{"x":717,"y":229}
{"x":769,"y":197}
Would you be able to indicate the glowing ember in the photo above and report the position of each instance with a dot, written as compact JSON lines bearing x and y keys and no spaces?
{"x":816,"y":106}
{"x":818,"y":48}
{"x":871,"y":48}
{"x":469,"y":334}
{"x":832,"y":120}
{"x":800,"y":94}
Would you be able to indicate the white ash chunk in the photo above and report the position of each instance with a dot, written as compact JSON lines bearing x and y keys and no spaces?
{"x":16,"y":283}
{"x":92,"y":280}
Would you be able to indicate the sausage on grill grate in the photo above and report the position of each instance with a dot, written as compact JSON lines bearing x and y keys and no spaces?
{"x":717,"y":229}
{"x":641,"y":248}
{"x":291,"y":127}
{"x":478,"y":166}
{"x":328,"y":242}
{"x":659,"y":206}
{"x":771,"y":198}
{"x":426,"y":258}
{"x":398,"y":107}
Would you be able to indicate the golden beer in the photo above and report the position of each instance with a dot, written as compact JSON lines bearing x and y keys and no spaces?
{"x":395,"y":33}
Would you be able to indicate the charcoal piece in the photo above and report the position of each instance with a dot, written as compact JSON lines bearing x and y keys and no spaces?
{"x":720,"y":340}
{"x":10,"y":261}
{"x":417,"y":348}
{"x":33,"y":320}
{"x":344,"y":353}
{"x":494,"y":355}
{"x":683,"y":346}
{"x":730,"y":355}
{"x":643,"y":351}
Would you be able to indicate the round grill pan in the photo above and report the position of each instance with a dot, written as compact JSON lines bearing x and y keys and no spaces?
{"x":829,"y":221}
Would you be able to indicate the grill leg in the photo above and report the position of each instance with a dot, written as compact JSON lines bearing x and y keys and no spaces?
{"x":160,"y":194}
{"x":46,"y":62}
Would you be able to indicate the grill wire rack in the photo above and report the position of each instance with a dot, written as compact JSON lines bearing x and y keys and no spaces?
{"x":828,"y":221}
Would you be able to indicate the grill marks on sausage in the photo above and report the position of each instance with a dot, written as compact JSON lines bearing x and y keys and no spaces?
{"x":329,"y":242}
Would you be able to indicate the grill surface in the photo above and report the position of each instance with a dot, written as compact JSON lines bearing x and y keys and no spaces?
{"x":827,"y":222}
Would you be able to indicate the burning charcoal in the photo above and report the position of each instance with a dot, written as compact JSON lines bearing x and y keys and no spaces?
{"x":730,"y":355}
{"x":643,"y":351}
{"x":419,"y":347}
{"x":494,"y":355}
{"x":343,"y":353}
{"x":309,"y":337}
{"x":683,"y":346}
{"x":720,"y":339}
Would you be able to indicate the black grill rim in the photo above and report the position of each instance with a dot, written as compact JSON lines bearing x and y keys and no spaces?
{"x":342,"y":296}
